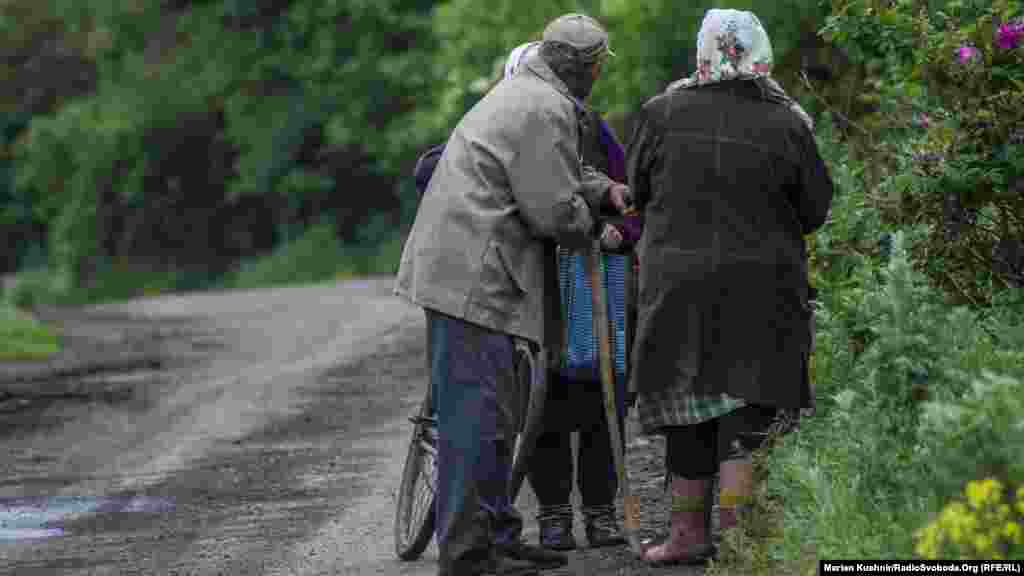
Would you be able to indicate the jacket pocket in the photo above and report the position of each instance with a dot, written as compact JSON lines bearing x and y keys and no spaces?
{"x":514,"y":264}
{"x":499,"y":288}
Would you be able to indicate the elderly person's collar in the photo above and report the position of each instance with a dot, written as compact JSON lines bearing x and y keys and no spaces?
{"x":538,"y":66}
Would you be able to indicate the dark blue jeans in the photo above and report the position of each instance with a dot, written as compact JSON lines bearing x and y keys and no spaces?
{"x":473,"y":384}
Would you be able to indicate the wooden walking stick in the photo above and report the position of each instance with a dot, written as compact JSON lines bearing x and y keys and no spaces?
{"x":602,"y":329}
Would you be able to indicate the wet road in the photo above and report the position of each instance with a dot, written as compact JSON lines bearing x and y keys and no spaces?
{"x":279,"y":455}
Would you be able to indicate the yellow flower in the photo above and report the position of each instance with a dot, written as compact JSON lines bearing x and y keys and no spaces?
{"x":1003,"y":512}
{"x":983,"y":544}
{"x":982,"y":524}
{"x":975,"y":493}
{"x":1013,"y":533}
{"x":929,"y":539}
{"x":958,"y":522}
{"x":983,"y":492}
{"x":994,"y":488}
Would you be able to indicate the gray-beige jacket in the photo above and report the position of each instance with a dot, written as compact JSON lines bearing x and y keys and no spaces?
{"x":509,"y":183}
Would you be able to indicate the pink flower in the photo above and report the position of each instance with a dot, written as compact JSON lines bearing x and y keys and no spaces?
{"x":922,"y":120}
{"x":1009,"y":35}
{"x":968,"y":54}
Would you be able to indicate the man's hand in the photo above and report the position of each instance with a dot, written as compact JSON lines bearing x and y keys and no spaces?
{"x":611,"y":238}
{"x":621,"y":197}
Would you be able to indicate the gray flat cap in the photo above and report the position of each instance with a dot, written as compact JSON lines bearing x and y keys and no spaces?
{"x":582,"y":33}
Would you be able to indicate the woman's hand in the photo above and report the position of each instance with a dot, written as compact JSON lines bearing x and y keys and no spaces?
{"x":611,"y":238}
{"x":621,"y":197}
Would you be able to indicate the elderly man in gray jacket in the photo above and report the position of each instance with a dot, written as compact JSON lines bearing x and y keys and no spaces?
{"x":509,"y":185}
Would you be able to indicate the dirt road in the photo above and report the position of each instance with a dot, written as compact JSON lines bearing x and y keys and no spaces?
{"x":280,"y":453}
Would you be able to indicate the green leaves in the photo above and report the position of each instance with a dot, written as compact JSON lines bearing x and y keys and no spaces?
{"x":981,"y":432}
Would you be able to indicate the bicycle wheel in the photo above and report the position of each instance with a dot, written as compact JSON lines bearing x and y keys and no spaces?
{"x":414,"y":515}
{"x":532,"y":371}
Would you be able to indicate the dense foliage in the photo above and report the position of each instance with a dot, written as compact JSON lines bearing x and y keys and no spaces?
{"x":915,"y":449}
{"x":215,"y":130}
{"x":946,"y":143}
{"x":178,"y":140}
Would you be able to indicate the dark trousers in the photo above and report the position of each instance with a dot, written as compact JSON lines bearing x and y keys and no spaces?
{"x":695,"y":452}
{"x":576,"y":405}
{"x":471,"y":372}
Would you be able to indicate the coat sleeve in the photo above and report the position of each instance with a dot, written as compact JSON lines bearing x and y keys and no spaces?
{"x":640,"y":155}
{"x":595,"y":188}
{"x":548,"y":183}
{"x":812,"y":197}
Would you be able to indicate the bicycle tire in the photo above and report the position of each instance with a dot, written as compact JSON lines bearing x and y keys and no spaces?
{"x":531,"y":368}
{"x":413,"y":533}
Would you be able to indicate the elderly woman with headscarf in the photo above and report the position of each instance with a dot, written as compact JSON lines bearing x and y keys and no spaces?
{"x":575,"y":396}
{"x":728,"y":175}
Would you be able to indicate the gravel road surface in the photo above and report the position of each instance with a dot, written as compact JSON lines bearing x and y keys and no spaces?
{"x":277,"y":452}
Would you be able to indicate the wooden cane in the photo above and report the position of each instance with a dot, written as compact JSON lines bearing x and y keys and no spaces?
{"x":599,"y":296}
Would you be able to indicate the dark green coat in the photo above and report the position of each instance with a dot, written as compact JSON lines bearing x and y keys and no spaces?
{"x":729,"y":184}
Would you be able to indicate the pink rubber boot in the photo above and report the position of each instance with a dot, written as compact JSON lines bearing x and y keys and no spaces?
{"x":688,"y":541}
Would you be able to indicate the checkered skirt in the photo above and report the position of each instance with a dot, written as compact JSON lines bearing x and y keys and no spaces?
{"x":676,"y":405}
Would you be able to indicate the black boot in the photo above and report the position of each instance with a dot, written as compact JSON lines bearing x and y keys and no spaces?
{"x":491,"y":564}
{"x":602,"y":527}
{"x":504,"y":566}
{"x":541,"y":557}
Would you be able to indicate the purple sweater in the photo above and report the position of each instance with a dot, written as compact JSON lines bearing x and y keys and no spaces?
{"x":629,"y":226}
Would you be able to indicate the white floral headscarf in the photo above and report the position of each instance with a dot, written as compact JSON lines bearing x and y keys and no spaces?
{"x":517,"y":57}
{"x":733,"y":45}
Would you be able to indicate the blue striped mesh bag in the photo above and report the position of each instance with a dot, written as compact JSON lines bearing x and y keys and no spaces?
{"x":580,"y":358}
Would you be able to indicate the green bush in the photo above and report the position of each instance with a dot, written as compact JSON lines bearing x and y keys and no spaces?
{"x":946,"y":141}
{"x":24,"y":338}
{"x":35,"y":287}
{"x":317,"y":255}
{"x":978,"y":435}
{"x":118,"y":281}
{"x":859,"y":478}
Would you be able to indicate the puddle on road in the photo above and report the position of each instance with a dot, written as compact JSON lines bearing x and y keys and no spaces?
{"x":34,"y":518}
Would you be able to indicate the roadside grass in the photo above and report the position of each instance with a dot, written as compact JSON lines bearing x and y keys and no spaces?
{"x":114,"y":282}
{"x":317,"y":256}
{"x":859,"y":478}
{"x":34,"y":287}
{"x":24,"y":338}
{"x":120,"y":282}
